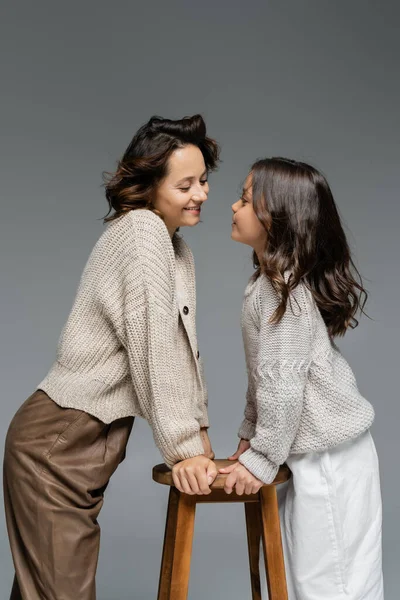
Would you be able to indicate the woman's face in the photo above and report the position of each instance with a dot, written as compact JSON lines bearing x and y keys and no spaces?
{"x":246,"y":227}
{"x":180,"y":195}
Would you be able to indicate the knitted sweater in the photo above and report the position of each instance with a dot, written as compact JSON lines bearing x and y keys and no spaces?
{"x":129,"y":346}
{"x":302,"y":395}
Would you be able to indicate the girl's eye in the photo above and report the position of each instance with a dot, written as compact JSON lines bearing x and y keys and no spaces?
{"x":204,"y":181}
{"x":244,"y":201}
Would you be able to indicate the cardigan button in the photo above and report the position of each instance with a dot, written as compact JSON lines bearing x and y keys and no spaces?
{"x":185,"y":310}
{"x":198,"y":354}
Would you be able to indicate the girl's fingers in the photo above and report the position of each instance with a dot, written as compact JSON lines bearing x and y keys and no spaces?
{"x":249,"y":488}
{"x":230,"y":483}
{"x":256,"y":487}
{"x":229,"y":469}
{"x":239,"y":487}
{"x":234,"y":456}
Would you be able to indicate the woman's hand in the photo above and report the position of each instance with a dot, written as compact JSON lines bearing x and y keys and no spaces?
{"x":240,"y":478}
{"x":242,"y":447}
{"x":194,"y":475}
{"x":208,"y":451}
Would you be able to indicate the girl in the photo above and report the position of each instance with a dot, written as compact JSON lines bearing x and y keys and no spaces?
{"x":129,"y":348}
{"x":303,"y":406}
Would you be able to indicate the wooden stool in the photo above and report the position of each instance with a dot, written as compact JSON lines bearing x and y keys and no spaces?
{"x":262,"y":522}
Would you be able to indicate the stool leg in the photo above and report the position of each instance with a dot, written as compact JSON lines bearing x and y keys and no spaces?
{"x":253,"y":526}
{"x":178,"y":540}
{"x":272,"y":544}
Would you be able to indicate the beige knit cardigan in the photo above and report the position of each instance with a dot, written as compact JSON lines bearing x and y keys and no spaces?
{"x":129,"y":346}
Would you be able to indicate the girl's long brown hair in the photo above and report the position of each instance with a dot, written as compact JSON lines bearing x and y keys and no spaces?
{"x":145,"y":161}
{"x":305,"y":236}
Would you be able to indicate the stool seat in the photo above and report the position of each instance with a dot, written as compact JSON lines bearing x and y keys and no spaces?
{"x":262,"y":525}
{"x":163,"y":474}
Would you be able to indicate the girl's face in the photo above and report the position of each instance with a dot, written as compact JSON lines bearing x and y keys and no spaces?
{"x":246,"y":227}
{"x":180,"y":195}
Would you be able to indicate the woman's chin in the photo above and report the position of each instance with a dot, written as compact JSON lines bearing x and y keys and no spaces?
{"x":190,"y":221}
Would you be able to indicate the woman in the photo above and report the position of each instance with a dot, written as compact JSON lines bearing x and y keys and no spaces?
{"x":128,"y":349}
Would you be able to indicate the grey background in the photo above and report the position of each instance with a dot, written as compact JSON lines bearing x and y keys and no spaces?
{"x":314,"y":80}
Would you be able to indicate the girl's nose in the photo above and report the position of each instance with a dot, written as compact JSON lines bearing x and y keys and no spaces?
{"x":234,"y":206}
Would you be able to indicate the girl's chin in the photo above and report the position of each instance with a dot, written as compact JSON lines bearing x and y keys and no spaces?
{"x":234,"y":235}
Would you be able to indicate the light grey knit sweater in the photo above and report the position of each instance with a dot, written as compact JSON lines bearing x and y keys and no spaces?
{"x":129,"y":346}
{"x":302,"y":395}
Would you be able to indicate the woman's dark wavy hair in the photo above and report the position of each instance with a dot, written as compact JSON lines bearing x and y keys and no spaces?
{"x":294,"y":203}
{"x":145,"y":161}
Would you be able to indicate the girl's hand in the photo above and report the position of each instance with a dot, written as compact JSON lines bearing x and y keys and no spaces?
{"x":208,"y":451}
{"x":194,"y":475}
{"x":242,"y":447}
{"x":242,"y":479}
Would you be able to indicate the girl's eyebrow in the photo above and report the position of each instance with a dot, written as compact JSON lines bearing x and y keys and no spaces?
{"x":190,"y":178}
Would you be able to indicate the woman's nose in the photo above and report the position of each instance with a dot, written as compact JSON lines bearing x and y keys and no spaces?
{"x":201,"y":194}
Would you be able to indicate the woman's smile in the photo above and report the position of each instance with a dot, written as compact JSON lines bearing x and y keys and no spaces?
{"x":194,"y":209}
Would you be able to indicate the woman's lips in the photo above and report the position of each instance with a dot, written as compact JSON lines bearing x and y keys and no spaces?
{"x":193,"y":210}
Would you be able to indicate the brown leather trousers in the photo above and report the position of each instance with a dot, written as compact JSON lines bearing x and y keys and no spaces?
{"x":57,"y":464}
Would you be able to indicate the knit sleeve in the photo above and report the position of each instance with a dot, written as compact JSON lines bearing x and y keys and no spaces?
{"x":248,"y":426}
{"x":151,"y":321}
{"x":279,"y":380}
{"x":203,"y":401}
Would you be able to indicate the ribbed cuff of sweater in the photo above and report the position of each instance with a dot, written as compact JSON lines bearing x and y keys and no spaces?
{"x":247,"y":430}
{"x":259,"y":465}
{"x":187,"y":449}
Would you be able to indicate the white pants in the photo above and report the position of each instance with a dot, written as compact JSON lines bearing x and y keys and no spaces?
{"x":331,"y":521}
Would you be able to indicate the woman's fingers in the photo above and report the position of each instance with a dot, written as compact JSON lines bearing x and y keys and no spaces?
{"x":185,"y":483}
{"x":202,"y":483}
{"x":211,"y":472}
{"x":176,"y":479}
{"x":181,"y":480}
{"x":194,"y":475}
{"x":191,"y":480}
{"x":205,"y":477}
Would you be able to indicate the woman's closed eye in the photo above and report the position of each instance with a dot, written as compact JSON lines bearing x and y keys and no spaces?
{"x":186,"y":189}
